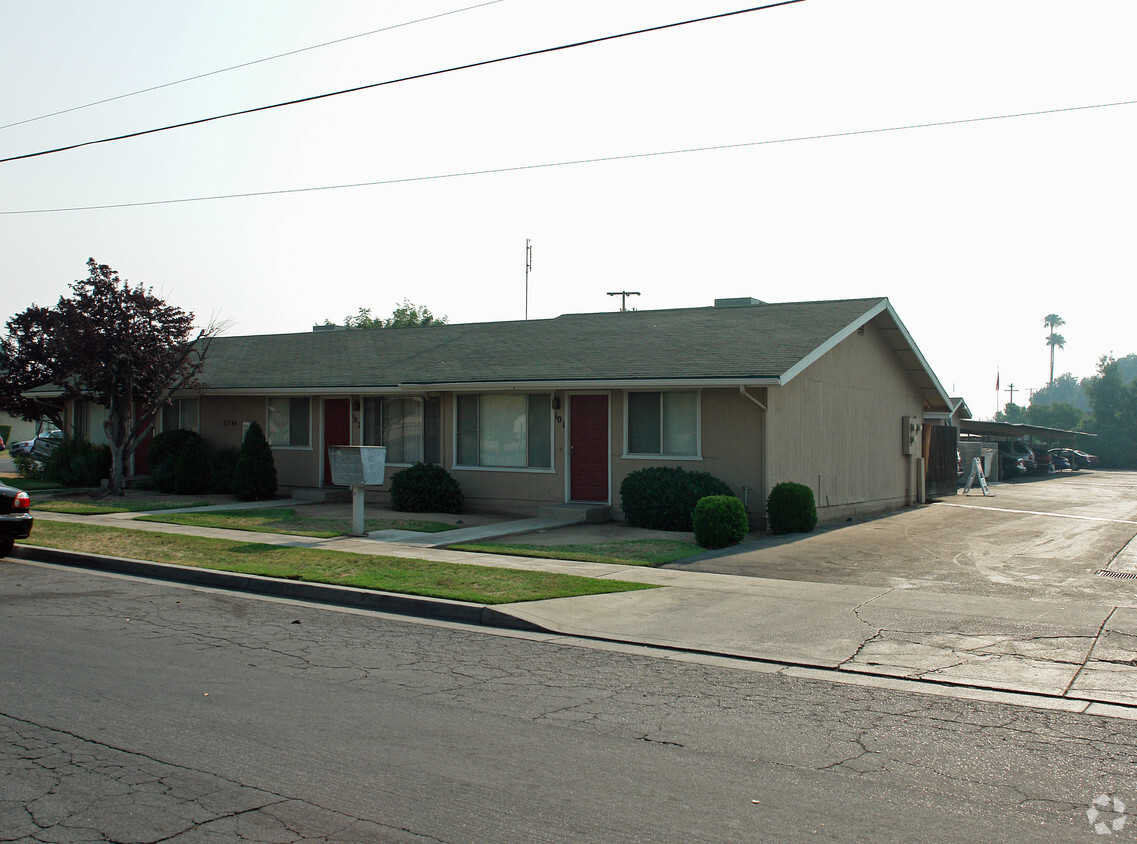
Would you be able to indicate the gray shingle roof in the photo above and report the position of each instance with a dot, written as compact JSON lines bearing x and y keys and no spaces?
{"x":752,"y":342}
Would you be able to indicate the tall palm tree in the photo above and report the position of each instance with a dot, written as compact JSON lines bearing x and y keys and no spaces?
{"x":1053,"y":321}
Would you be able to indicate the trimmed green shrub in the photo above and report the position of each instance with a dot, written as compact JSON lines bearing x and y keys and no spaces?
{"x":222,"y":462}
{"x":191,"y":468}
{"x":27,"y":468}
{"x":163,"y":457}
{"x":719,"y":521}
{"x":663,"y":498}
{"x":254,"y":476}
{"x":75,"y":462}
{"x":425,"y":488}
{"x":791,"y":509}
{"x":5,"y":433}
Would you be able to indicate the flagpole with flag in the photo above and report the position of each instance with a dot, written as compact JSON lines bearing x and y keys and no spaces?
{"x":996,"y":391}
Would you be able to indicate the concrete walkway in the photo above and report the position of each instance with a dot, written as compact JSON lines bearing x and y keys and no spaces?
{"x":1074,"y":656}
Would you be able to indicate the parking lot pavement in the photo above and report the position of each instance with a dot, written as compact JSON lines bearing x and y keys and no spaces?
{"x":1031,"y":540}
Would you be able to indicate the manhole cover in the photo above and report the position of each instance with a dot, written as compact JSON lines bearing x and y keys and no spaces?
{"x":1119,"y":575}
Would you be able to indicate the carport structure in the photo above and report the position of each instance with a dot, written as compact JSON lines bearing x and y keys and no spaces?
{"x":995,"y":431}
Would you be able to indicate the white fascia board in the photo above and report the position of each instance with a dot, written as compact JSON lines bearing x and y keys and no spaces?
{"x":614,"y":384}
{"x":293,"y":391}
{"x":814,"y":356}
{"x":919,"y":355}
{"x":881,"y":307}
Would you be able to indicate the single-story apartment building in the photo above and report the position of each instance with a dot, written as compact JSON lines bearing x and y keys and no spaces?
{"x":831,"y":394}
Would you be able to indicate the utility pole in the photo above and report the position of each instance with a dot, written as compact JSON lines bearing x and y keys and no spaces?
{"x":1011,"y":390}
{"x":624,"y":294}
{"x":528,"y":267}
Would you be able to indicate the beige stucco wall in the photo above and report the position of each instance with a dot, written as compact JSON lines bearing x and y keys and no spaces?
{"x":732,"y":432}
{"x":837,"y":426}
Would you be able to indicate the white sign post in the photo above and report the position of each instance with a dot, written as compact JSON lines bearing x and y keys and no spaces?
{"x":357,"y":466}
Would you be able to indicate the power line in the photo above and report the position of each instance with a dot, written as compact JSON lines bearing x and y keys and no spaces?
{"x":426,"y":75}
{"x":581,"y":161}
{"x":246,"y":64}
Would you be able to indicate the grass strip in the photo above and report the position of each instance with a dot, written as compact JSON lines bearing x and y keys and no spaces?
{"x":455,"y":581}
{"x":102,"y":507}
{"x":632,"y":552}
{"x":286,"y":520}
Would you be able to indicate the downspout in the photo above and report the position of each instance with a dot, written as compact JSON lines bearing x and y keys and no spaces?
{"x":742,"y":390}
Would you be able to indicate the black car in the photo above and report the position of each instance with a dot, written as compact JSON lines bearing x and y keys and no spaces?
{"x":15,"y":518}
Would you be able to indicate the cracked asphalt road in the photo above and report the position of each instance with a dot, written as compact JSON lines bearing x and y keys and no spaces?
{"x":133,"y":711}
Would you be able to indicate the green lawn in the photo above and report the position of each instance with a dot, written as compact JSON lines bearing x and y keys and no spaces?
{"x":472,"y":583}
{"x":632,"y":552}
{"x":103,"y":506}
{"x":286,"y":520}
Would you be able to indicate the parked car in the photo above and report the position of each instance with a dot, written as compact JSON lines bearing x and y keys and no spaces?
{"x":1085,"y":461}
{"x":1042,"y":460}
{"x":15,"y":518}
{"x":1011,"y":466}
{"x":1008,"y":454}
{"x":40,"y":446}
{"x":1058,"y":462}
{"x":1021,"y":449}
{"x":1066,"y":454}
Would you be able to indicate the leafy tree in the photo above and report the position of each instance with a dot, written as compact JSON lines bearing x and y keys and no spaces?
{"x":1114,"y":402}
{"x":406,"y":315}
{"x":1063,"y":389}
{"x":1057,"y":415}
{"x":1011,"y":412}
{"x":1054,"y":340}
{"x":117,"y":345}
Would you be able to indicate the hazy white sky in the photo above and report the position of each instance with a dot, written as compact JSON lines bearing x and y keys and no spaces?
{"x":975,"y":231}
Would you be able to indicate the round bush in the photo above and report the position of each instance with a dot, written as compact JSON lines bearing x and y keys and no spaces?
{"x":254,"y":476}
{"x":75,"y":462}
{"x":425,"y":488}
{"x":663,"y":497}
{"x":163,"y":457}
{"x":791,"y":509}
{"x":719,"y":521}
{"x":191,"y":468}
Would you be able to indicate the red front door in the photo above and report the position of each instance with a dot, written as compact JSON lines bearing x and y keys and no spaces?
{"x":588,"y":448}
{"x":337,"y":430}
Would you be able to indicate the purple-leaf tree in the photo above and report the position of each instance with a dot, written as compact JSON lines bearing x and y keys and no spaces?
{"x":116,"y":345}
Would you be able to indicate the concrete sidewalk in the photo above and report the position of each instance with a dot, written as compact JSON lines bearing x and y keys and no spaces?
{"x":1082,"y":656}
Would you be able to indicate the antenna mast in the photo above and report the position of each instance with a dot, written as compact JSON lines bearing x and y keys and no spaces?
{"x":528,"y":267}
{"x":624,"y":294}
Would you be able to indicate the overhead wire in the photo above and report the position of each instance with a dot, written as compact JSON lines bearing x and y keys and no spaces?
{"x":409,"y":78}
{"x":247,"y":64}
{"x":582,"y":161}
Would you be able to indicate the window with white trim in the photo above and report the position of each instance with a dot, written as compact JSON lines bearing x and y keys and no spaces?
{"x":505,"y":430}
{"x":410,"y":427}
{"x":289,"y":422}
{"x":181,"y":413}
{"x":663,"y":424}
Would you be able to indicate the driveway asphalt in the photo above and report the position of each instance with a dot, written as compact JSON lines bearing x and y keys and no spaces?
{"x":970,"y":596}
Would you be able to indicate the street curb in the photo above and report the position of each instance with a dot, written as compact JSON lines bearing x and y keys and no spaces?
{"x":324,"y":593}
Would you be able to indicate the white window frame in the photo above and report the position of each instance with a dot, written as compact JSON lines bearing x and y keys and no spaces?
{"x":268,"y":434}
{"x":479,"y":467}
{"x":636,"y":455}
{"x":423,"y":426}
{"x":196,"y":426}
